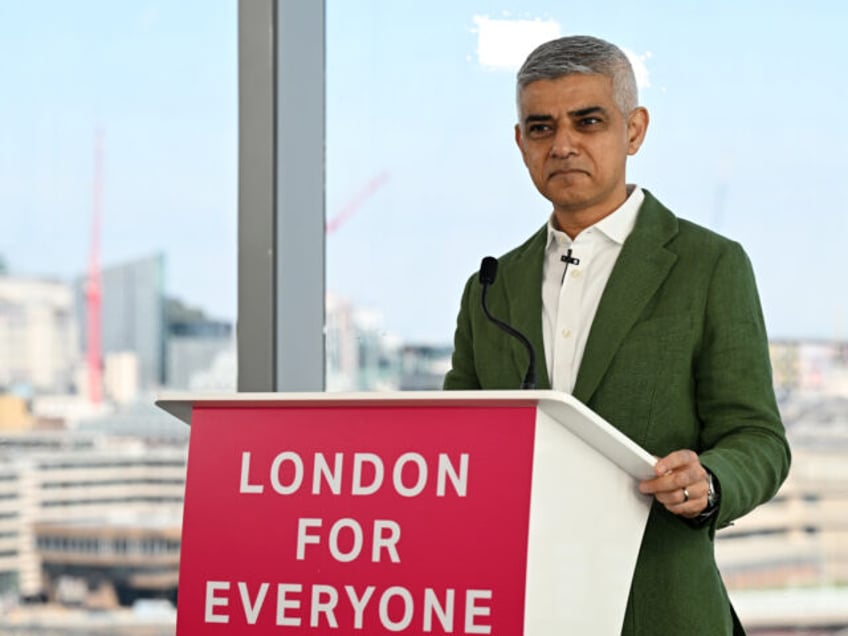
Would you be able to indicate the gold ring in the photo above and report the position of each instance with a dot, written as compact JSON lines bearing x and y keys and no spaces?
{"x":685,"y":495}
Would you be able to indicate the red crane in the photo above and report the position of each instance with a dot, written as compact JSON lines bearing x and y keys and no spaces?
{"x":93,"y":288}
{"x":357,"y":202}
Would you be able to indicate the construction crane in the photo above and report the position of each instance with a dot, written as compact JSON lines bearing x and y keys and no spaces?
{"x":93,"y":286}
{"x":359,"y":199}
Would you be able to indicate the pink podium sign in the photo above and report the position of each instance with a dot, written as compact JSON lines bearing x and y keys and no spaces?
{"x":356,"y":519}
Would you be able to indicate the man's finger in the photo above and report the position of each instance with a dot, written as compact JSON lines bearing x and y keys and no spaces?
{"x":675,"y":460}
{"x":681,"y":496}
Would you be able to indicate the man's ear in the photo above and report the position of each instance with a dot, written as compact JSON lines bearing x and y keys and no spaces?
{"x":637,"y":128}
{"x":519,"y":141}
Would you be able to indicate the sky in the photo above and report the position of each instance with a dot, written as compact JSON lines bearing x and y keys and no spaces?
{"x":160,"y":80}
{"x":747,"y":137}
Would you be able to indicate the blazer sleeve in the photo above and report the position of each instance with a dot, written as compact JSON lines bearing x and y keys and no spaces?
{"x":463,"y":375}
{"x":744,"y":438}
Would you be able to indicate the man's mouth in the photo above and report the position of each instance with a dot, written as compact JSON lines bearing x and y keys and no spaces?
{"x":567,"y":172}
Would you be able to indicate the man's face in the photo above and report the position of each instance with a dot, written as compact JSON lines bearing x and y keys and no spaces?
{"x":575,"y":144}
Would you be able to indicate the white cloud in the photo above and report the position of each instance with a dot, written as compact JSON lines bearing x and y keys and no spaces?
{"x":504,"y":44}
{"x":640,"y":68}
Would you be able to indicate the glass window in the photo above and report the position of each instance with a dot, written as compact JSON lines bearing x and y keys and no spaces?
{"x":118,"y":183}
{"x":122,"y":115}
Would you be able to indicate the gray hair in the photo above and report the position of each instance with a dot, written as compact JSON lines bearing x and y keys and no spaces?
{"x":585,"y":55}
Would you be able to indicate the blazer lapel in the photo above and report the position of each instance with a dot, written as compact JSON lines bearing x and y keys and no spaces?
{"x":523,"y":289}
{"x":642,"y":266}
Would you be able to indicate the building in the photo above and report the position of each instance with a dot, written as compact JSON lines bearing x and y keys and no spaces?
{"x":91,"y":510}
{"x":423,"y":367}
{"x":132,"y":316}
{"x":38,"y":335}
{"x":810,"y":366}
{"x":800,"y":538}
{"x":361,"y":354}
{"x":16,"y":549}
{"x":117,"y":559}
{"x":200,"y":350}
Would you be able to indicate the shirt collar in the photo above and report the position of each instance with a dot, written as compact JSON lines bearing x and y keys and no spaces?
{"x":616,"y":226}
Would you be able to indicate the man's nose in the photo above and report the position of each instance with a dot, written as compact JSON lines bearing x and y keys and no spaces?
{"x":565,"y":143}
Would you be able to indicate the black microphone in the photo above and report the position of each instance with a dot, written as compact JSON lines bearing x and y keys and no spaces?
{"x":488,"y":272}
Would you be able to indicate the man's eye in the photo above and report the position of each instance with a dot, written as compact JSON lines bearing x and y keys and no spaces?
{"x":591,"y":121}
{"x":538,"y":129}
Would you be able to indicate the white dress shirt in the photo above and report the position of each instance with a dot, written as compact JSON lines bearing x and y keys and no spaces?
{"x":569,"y":302}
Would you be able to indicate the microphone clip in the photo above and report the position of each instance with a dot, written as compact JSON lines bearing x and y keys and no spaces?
{"x":568,"y":259}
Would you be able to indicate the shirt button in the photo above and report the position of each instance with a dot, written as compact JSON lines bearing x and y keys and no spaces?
{"x":575,"y":273}
{"x":566,"y":333}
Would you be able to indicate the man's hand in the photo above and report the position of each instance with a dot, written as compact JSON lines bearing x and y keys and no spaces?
{"x":680,"y":485}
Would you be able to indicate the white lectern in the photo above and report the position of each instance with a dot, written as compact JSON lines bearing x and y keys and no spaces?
{"x":508,"y":512}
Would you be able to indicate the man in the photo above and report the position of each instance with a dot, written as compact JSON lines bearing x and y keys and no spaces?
{"x":650,"y":320}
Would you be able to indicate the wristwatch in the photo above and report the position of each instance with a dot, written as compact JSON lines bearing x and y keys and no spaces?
{"x":713,"y":497}
{"x":712,"y":494}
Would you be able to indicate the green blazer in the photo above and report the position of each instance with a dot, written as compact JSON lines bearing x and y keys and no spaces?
{"x":677,"y":357}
